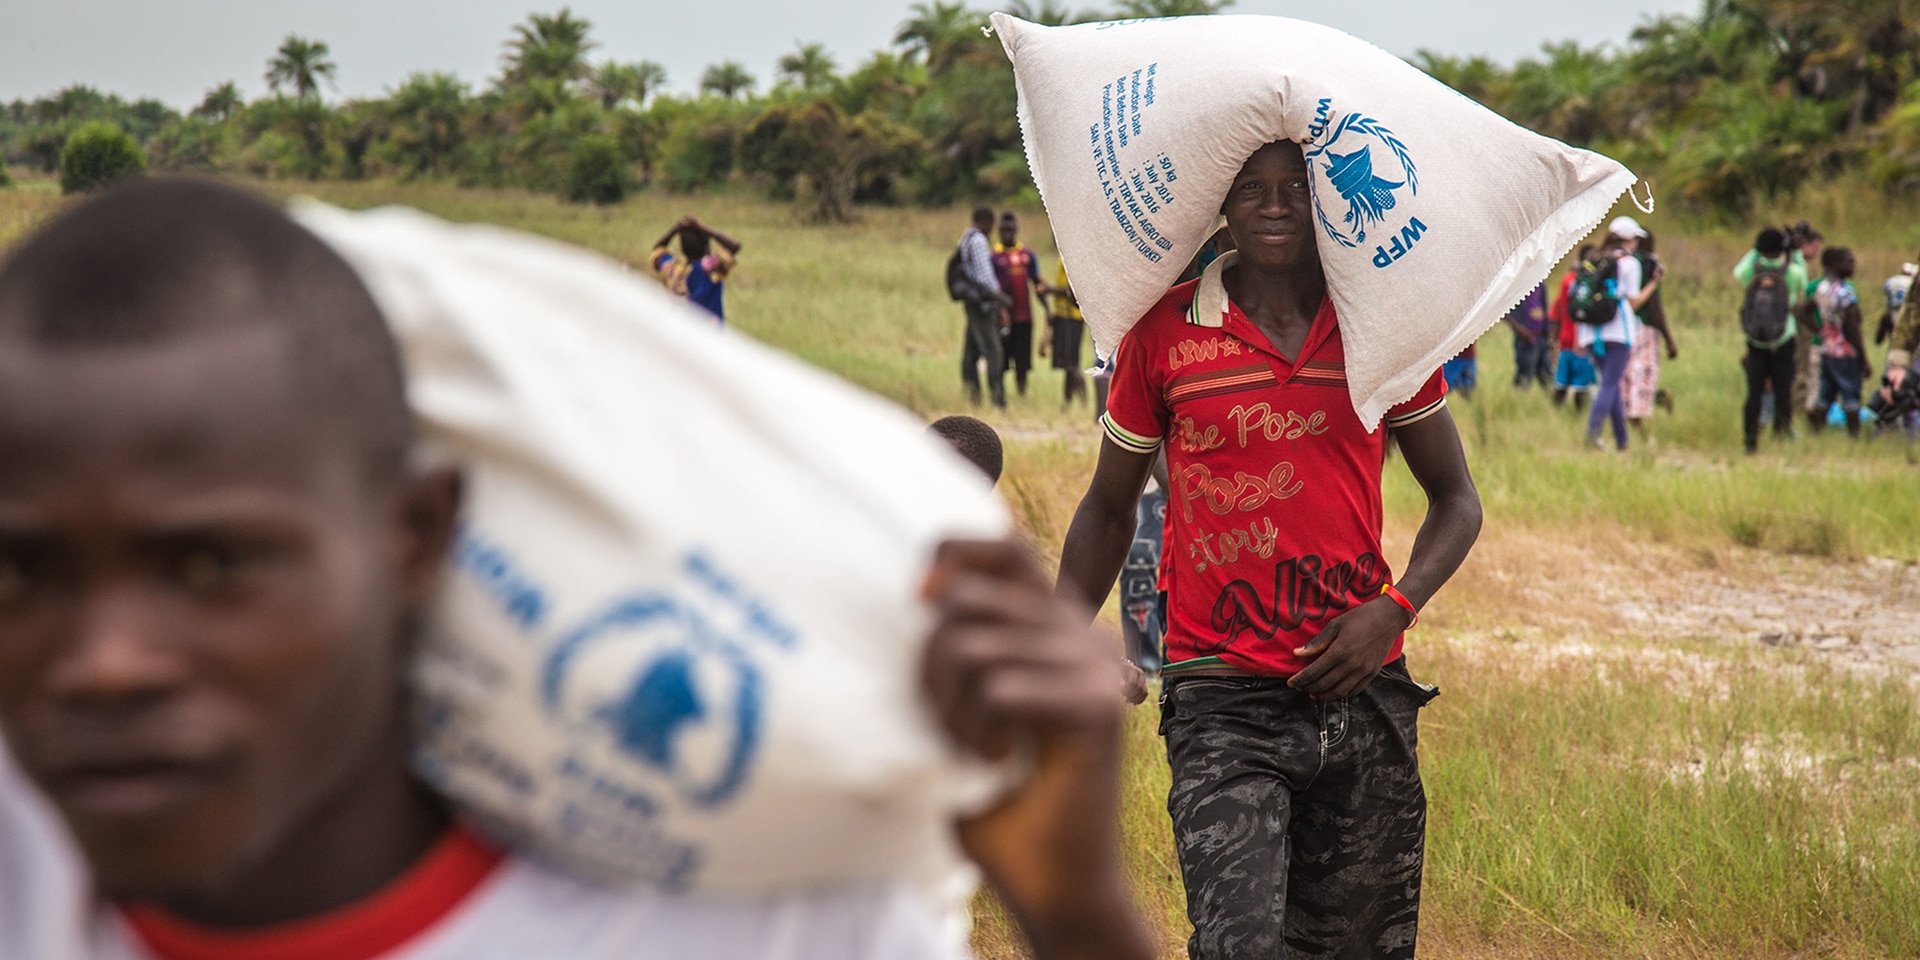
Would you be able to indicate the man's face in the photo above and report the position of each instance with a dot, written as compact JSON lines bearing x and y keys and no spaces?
{"x":201,"y":596}
{"x":1269,"y":209}
{"x":1844,"y":267}
{"x":1009,"y":231}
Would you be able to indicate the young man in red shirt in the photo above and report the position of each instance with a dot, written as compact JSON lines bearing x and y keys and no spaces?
{"x":215,"y":544}
{"x":1018,"y":269}
{"x":1288,"y":712}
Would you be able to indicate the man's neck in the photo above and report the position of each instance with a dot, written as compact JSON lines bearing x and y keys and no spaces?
{"x":357,"y":842}
{"x":1280,"y":303}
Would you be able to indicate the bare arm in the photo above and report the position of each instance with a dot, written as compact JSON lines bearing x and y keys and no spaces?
{"x":1348,"y":654}
{"x":732,"y":245}
{"x":678,"y":225}
{"x":1850,"y":325}
{"x":1103,"y":526}
{"x":1011,"y":665}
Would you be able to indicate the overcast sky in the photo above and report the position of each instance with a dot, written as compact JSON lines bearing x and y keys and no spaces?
{"x":176,"y":49}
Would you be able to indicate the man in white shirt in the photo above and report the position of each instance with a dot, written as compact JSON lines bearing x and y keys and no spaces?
{"x":214,"y":543}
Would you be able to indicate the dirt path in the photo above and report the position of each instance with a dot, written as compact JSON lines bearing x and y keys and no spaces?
{"x":1527,"y":583}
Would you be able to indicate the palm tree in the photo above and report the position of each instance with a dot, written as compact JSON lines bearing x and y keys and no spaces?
{"x":810,"y":67}
{"x":650,"y":78}
{"x":939,"y":34}
{"x":1149,"y":9}
{"x":1050,"y":13}
{"x":429,"y":114}
{"x":548,"y":46}
{"x":220,"y":102}
{"x":727,"y":79}
{"x":301,"y":64}
{"x":613,"y":83}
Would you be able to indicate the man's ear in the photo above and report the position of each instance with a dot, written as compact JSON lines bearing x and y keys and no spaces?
{"x":428,"y":506}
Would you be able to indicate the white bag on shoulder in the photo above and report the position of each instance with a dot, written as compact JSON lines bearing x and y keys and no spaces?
{"x":1435,"y":215}
{"x":680,"y":644}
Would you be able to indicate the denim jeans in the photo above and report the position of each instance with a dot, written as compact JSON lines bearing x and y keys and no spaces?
{"x":1610,"y":404}
{"x":1300,"y":824}
{"x":983,"y":343}
{"x":1531,"y":361}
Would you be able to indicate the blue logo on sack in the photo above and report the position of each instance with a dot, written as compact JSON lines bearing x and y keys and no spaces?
{"x":658,"y":683}
{"x":1367,"y":167}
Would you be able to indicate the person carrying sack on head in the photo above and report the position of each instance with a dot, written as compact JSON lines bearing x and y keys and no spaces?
{"x":1288,"y":711}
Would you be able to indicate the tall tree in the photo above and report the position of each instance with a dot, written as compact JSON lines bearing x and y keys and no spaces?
{"x":220,"y":102}
{"x":1149,"y":9}
{"x":428,"y":115}
{"x":1050,"y":12}
{"x":613,"y":84}
{"x":810,"y":67}
{"x":549,"y":46}
{"x":940,"y":34}
{"x":301,"y":64}
{"x":726,"y":80}
{"x":651,"y":78}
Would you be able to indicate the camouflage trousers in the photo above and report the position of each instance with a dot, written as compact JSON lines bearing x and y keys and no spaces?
{"x":1300,"y":824}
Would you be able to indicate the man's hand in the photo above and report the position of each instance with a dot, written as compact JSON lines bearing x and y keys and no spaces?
{"x":1133,"y":682}
{"x":1349,"y":653}
{"x":1010,"y":667}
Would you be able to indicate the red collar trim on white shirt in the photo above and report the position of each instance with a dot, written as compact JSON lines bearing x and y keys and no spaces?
{"x":425,"y":894}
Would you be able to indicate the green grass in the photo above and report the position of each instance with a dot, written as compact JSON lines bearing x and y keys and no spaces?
{"x":1633,"y":796}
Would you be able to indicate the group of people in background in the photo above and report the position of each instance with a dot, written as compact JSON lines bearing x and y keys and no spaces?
{"x":1612,"y":360}
{"x":1806,"y":349}
{"x":998,"y":281}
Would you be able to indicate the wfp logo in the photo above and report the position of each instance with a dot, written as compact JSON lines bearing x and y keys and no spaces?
{"x":1367,"y":168}
{"x":665,"y":703}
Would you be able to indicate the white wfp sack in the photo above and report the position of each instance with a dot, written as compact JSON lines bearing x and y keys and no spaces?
{"x":680,"y":645}
{"x":1435,"y":214}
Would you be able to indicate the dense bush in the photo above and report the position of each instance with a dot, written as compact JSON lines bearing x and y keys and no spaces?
{"x":597,"y":171}
{"x":6,"y":179}
{"x":96,"y":155}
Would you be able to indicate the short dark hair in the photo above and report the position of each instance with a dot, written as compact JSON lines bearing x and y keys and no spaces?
{"x":1009,"y":216}
{"x":982,"y":214}
{"x":973,"y":439}
{"x":1831,"y":256}
{"x":694,"y":243}
{"x":1771,"y":242}
{"x":165,"y":259}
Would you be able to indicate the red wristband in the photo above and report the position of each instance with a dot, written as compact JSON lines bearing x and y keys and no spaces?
{"x":1387,"y":590}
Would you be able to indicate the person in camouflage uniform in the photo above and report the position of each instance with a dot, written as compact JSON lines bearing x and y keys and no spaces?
{"x":1289,"y":715}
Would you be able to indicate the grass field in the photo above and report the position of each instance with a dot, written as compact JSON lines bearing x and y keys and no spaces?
{"x":1599,"y":788}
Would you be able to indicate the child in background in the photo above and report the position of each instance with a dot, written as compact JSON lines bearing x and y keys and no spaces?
{"x":973,"y":439}
{"x":1573,"y":374}
{"x":699,"y":274}
{"x":1067,"y":330}
{"x":1842,"y":354}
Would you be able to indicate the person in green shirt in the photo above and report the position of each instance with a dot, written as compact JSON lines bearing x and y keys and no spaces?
{"x":1771,"y":363}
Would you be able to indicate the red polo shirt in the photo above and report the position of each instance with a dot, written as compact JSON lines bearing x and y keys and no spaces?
{"x":1273,"y":521}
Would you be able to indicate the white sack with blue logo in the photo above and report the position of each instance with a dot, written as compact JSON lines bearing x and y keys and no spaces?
{"x":1436,"y":215}
{"x":680,"y":644}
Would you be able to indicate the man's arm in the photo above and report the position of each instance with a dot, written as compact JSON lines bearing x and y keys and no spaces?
{"x":978,"y":259}
{"x":678,"y":225}
{"x":1850,"y":324}
{"x":1012,"y":666}
{"x":1350,"y":651}
{"x":1103,"y":526}
{"x":732,"y":245}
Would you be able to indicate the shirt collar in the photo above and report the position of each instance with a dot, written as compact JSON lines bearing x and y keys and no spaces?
{"x":1210,"y":302}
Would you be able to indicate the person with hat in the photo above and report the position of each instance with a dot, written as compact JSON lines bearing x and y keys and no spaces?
{"x":1612,"y":342}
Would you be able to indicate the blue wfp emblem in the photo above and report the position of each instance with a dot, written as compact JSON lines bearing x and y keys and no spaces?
{"x":656,"y":685}
{"x":1368,"y":169}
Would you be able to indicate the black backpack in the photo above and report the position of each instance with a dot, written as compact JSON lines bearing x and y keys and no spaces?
{"x":959,"y":285}
{"x":1594,"y":298}
{"x":1763,"y":315}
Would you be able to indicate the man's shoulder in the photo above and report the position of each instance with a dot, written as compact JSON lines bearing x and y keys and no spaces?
{"x":1169,"y":316}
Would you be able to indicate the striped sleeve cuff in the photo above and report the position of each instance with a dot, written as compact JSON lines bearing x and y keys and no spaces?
{"x":1415,"y":416}
{"x":1127,"y":439}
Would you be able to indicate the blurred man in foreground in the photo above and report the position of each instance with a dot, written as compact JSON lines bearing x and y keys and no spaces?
{"x":215,"y":542}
